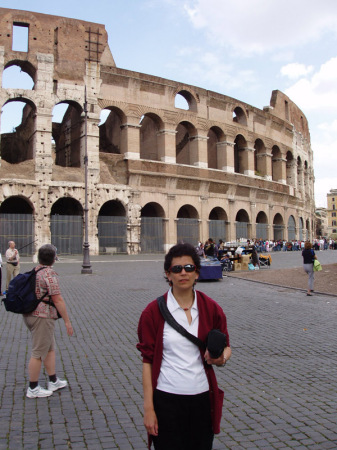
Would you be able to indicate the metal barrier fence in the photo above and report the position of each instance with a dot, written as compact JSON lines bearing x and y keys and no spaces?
{"x":152,"y":235}
{"x":18,"y":228}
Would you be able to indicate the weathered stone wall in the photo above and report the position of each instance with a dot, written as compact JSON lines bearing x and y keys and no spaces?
{"x":217,"y":158}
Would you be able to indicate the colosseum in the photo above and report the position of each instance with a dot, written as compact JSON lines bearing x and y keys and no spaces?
{"x":145,"y":171}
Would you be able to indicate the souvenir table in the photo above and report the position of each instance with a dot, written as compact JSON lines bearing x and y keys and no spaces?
{"x":210,"y":270}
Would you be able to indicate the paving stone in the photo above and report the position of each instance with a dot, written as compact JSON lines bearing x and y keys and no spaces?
{"x":279,"y":385}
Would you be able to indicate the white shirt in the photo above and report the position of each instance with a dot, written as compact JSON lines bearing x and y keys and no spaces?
{"x":182,"y":371}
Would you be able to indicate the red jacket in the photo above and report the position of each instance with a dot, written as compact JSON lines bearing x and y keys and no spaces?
{"x":150,"y":333}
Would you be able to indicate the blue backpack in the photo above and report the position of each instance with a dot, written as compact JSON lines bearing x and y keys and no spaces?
{"x":20,"y":296}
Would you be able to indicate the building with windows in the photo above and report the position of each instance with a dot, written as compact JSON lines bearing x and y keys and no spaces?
{"x":157,"y":173}
{"x":332,"y":212}
{"x":321,"y":222}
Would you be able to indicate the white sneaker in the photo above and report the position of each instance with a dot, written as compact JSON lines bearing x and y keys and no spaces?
{"x":38,"y":392}
{"x":59,"y":384}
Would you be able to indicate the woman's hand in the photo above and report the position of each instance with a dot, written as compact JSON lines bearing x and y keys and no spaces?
{"x":151,"y":422}
{"x":218,"y":361}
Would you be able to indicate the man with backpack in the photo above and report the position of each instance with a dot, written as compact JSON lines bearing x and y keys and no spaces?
{"x":41,"y":324}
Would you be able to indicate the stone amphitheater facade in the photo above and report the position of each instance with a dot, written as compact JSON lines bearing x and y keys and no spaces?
{"x":157,"y":173}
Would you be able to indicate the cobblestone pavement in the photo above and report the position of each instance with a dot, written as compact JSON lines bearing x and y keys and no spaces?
{"x":280,"y":385}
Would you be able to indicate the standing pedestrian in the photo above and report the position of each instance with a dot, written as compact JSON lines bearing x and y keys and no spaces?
{"x":309,"y":256}
{"x":13,"y":262}
{"x":41,"y":324}
{"x":182,"y":401}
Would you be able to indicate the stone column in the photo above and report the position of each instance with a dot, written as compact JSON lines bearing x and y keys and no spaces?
{"x":167,"y":146}
{"x":133,"y":225}
{"x":264,"y":165}
{"x":280,"y":170}
{"x":225,"y":156}
{"x":231,"y":233}
{"x":130,"y":140}
{"x":248,"y":161}
{"x":198,"y":151}
{"x":171,"y":226}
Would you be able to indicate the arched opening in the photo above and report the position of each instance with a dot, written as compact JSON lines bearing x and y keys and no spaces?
{"x":150,"y":125}
{"x":188,"y":225}
{"x":260,"y":158}
{"x":307,"y":228}
{"x":242,"y":222}
{"x":291,"y":229}
{"x":217,"y":224}
{"x":276,"y":161}
{"x":67,"y":134}
{"x":301,"y":228}
{"x":185,"y":100}
{"x":278,"y":227}
{"x":17,"y":224}
{"x":262,"y":226}
{"x":66,"y":226}
{"x":152,"y":237}
{"x":110,"y":139}
{"x":239,"y":145}
{"x":112,"y":228}
{"x":185,"y":144}
{"x":290,"y":169}
{"x":215,"y":135}
{"x":18,"y":124}
{"x":300,"y":181}
{"x":239,"y":116}
{"x":19,"y":75}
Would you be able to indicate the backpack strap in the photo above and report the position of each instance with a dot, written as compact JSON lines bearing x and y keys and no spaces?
{"x":174,"y":324}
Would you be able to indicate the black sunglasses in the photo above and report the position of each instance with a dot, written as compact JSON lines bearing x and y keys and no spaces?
{"x":179,"y":268}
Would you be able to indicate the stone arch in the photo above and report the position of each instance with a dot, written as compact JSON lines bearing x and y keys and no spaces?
{"x":300,"y":174}
{"x":291,"y":228}
{"x":259,"y":158}
{"x":17,"y":224}
{"x":278,"y":227}
{"x":217,"y":224}
{"x":67,"y":135}
{"x":290,"y":168}
{"x":26,"y":67}
{"x":262,"y":226}
{"x":18,"y":145}
{"x":300,"y":228}
{"x":110,"y":136}
{"x":151,"y":124}
{"x":184,"y":146}
{"x":242,"y":223}
{"x":188,"y":225}
{"x":152,"y":235}
{"x":190,"y":98}
{"x":66,"y":226}
{"x":215,"y":135}
{"x":239,"y":116}
{"x":276,"y":163}
{"x":240,"y":144}
{"x":112,"y":227}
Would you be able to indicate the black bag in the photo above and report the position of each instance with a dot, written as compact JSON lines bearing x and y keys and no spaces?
{"x":216,"y":343}
{"x":20,"y":296}
{"x":216,"y":340}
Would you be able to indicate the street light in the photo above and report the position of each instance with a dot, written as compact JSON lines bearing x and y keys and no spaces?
{"x":86,"y":266}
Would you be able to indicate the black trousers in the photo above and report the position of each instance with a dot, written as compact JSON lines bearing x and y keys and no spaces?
{"x":184,"y":421}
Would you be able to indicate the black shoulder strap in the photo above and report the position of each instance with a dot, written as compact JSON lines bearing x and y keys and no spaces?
{"x":43,"y":296}
{"x":174,"y":324}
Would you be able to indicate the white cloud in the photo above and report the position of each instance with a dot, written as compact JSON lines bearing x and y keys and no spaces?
{"x":319,"y":91}
{"x":261,"y":26}
{"x":296,"y":70}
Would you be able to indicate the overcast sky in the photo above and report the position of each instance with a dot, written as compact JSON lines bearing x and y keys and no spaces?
{"x":243,"y":49}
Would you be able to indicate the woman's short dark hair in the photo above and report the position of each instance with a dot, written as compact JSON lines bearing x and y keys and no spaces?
{"x":47,"y":255}
{"x":307,"y":245}
{"x":179,"y":250}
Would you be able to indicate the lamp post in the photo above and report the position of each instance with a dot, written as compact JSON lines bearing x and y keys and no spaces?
{"x":86,"y":266}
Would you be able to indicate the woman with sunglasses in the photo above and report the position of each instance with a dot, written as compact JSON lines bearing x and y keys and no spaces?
{"x":182,"y":402}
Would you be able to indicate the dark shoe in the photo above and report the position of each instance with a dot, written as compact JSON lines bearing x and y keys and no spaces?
{"x":308,"y":293}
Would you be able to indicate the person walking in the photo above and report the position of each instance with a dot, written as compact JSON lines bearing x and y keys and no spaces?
{"x":41,"y":324}
{"x":182,"y":401}
{"x":309,"y":256}
{"x":13,"y":262}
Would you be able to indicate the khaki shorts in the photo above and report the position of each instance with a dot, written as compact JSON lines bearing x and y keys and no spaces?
{"x":43,"y":340}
